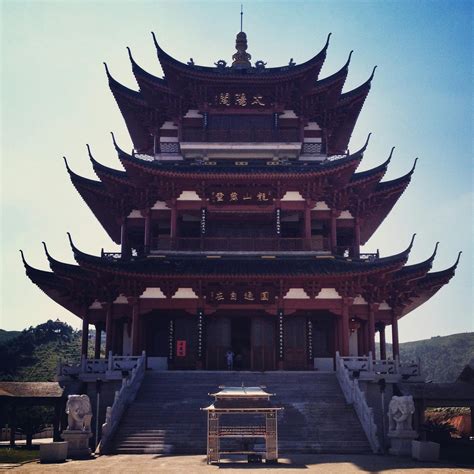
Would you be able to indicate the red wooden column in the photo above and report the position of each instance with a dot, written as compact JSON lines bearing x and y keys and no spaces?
{"x":357,"y":237}
{"x":372,"y":309}
{"x":98,"y":340}
{"x":109,"y":329}
{"x":333,"y":232}
{"x":174,"y":219}
{"x":135,"y":303}
{"x":340,"y":344}
{"x":307,"y":225}
{"x":345,"y":326}
{"x":365,"y":337}
{"x":85,"y":333}
{"x":383,"y":345}
{"x":360,"y":340}
{"x":395,"y":344}
{"x":336,"y":335}
{"x":124,"y":239}
{"x":147,"y":230}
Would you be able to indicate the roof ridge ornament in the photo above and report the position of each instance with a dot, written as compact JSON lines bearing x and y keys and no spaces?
{"x":391,"y":154}
{"x":412,"y":242}
{"x":434,"y":252}
{"x":130,"y":55}
{"x":241,"y":24}
{"x":221,"y":64}
{"x":71,"y":243}
{"x":327,"y":40}
{"x":414,"y":166}
{"x":113,"y":139}
{"x":89,"y":152}
{"x":457,"y":260}
{"x":348,"y":59}
{"x":367,"y":141}
{"x":25,"y":263}
{"x":67,"y":165}
{"x":155,"y":41}
{"x":107,"y":70}
{"x":48,"y":256}
{"x":373,"y":74}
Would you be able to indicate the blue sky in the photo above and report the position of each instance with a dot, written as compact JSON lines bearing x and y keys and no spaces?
{"x":55,"y":99}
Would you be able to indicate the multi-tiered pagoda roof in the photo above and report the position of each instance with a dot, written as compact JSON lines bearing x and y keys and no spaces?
{"x":203,"y":137}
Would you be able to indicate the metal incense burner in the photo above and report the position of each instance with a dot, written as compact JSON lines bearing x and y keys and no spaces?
{"x":243,"y":413}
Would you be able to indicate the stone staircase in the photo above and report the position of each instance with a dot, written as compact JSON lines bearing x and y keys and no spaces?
{"x":166,"y":415}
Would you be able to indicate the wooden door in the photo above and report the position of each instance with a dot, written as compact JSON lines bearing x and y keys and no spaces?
{"x":185,"y":343}
{"x":263,"y":343}
{"x":294,"y":343}
{"x":323,"y":336}
{"x":218,"y":342}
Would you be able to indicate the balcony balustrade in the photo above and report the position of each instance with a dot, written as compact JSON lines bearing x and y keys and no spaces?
{"x":236,"y":244}
{"x":241,"y":244}
{"x":233,"y":135}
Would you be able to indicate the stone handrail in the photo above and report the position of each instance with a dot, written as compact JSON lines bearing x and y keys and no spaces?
{"x":113,"y":364}
{"x":385,"y":367}
{"x":409,"y":369}
{"x":371,"y":366}
{"x":356,"y":397}
{"x":122,"y":400}
{"x":358,"y":363}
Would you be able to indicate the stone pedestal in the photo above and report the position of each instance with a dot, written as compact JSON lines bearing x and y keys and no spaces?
{"x":53,"y":452}
{"x":78,"y":443}
{"x":400,"y":442}
{"x":425,"y":451}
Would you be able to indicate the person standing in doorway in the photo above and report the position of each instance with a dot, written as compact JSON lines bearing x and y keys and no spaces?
{"x":229,"y":355}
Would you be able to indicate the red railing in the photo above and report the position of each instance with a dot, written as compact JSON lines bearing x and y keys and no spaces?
{"x":243,"y":244}
{"x":232,"y":135}
{"x":236,"y":244}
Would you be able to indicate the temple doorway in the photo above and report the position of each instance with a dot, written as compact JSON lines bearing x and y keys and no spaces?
{"x":250,"y":338}
{"x":240,"y":328}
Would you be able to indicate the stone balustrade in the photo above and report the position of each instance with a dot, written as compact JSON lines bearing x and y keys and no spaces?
{"x":111,"y":368}
{"x":368,"y":368}
{"x":356,"y":397}
{"x":122,"y":399}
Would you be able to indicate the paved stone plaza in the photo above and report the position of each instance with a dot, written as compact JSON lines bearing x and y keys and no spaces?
{"x":324,"y":464}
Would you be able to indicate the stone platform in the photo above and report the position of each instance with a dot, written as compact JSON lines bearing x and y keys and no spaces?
{"x":166,"y":416}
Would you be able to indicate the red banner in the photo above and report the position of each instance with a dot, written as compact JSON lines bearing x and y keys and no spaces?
{"x":180,"y":348}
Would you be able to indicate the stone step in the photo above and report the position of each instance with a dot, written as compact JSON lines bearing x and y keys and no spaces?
{"x":166,"y":415}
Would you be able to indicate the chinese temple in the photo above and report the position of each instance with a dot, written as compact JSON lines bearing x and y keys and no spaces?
{"x":240,"y":215}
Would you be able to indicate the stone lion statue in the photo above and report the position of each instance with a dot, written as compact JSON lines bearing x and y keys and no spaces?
{"x":79,"y":413}
{"x":400,"y":413}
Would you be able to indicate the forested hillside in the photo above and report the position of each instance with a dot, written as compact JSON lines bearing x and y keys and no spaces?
{"x":6,"y":335}
{"x":442,"y":357}
{"x":33,"y":354}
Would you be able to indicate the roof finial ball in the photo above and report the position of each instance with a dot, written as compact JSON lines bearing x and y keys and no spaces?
{"x":241,"y":59}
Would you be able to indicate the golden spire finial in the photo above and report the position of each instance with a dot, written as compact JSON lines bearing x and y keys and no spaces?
{"x":241,"y":59}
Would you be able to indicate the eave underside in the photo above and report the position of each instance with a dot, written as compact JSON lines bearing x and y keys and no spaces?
{"x":96,"y":278}
{"x":187,"y":87}
{"x":334,"y":182}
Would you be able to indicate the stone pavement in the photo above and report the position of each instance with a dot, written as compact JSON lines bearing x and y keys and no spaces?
{"x":308,"y":464}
